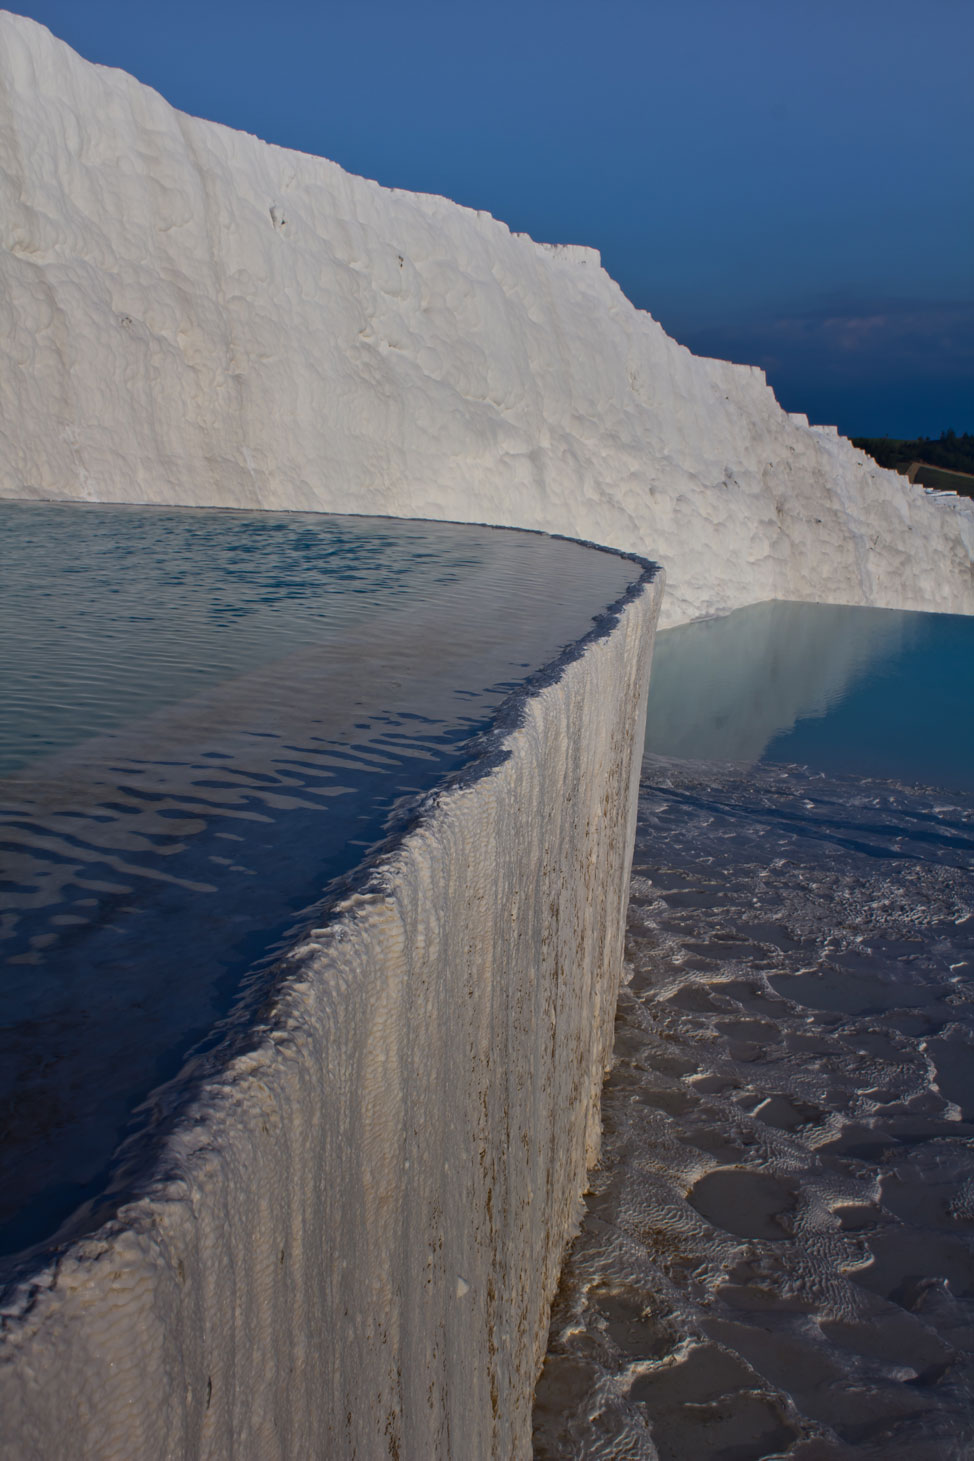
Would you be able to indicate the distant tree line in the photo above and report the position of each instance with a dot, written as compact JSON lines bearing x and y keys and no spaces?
{"x":952,"y":452}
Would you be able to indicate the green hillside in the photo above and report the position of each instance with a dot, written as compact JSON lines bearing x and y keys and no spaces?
{"x":950,"y":451}
{"x":935,"y":461}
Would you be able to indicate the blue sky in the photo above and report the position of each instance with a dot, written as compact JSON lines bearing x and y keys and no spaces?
{"x":784,"y":182}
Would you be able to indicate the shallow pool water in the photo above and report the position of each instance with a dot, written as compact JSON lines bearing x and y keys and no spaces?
{"x":874,"y":692}
{"x":209,"y":720}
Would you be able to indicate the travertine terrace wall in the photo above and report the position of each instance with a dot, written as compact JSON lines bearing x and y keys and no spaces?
{"x":353,"y":1235}
{"x":188,"y":315}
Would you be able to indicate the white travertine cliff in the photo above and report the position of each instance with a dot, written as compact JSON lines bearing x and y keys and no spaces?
{"x":353,"y":1237}
{"x":188,"y":315}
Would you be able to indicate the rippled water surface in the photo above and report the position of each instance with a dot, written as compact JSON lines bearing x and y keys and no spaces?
{"x":207,"y":719}
{"x":777,"y":1257}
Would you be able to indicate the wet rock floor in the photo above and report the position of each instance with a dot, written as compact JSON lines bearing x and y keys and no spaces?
{"x":777,"y":1255}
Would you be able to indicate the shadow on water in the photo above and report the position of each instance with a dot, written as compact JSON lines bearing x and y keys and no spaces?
{"x":145,"y":911}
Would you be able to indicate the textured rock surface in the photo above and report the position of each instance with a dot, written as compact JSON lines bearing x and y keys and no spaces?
{"x":188,"y":315}
{"x":354,"y":1234}
{"x":776,"y":1255}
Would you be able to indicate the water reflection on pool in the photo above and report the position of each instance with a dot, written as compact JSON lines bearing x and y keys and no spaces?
{"x":871,"y":692}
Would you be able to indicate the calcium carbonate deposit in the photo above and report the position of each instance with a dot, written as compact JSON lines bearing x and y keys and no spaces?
{"x":777,"y":1260}
{"x":188,"y":315}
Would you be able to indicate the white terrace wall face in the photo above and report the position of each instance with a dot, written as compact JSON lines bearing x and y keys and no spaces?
{"x":354,"y":1247}
{"x":188,"y":315}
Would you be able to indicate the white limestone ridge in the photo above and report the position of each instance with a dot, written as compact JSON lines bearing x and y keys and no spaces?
{"x":189,"y":315}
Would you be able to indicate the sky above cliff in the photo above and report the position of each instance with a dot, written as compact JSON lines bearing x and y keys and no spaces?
{"x":783,"y":182}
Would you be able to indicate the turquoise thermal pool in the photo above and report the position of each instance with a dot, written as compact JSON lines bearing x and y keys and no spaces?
{"x":211,"y":722}
{"x":869,"y":692}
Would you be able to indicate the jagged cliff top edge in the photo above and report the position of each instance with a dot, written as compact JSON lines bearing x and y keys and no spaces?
{"x":37,"y":35}
{"x":666,"y":434}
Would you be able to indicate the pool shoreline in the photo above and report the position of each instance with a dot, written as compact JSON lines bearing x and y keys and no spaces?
{"x":155,"y":1286}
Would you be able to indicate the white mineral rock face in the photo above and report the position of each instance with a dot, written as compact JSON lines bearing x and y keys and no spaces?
{"x":352,"y":1243}
{"x":353,"y":1237}
{"x":188,"y":315}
